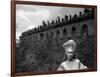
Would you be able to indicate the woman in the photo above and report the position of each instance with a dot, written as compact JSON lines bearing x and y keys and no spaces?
{"x":71,"y":63}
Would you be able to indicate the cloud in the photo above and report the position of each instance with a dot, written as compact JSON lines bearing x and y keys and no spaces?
{"x":30,"y":16}
{"x":26,"y":18}
{"x":30,"y":27}
{"x":18,"y":35}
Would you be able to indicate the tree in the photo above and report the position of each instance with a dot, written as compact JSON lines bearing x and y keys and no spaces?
{"x":66,"y":17}
{"x":58,"y":19}
{"x":80,"y":13}
{"x":44,"y":23}
{"x":86,"y":10}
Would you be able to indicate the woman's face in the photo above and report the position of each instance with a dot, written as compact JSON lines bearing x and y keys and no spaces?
{"x":70,"y":53}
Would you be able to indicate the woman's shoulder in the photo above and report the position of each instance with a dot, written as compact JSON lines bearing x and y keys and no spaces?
{"x":63,"y":63}
{"x":77,"y":60}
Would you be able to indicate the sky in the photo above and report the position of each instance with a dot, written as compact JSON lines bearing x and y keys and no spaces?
{"x":30,"y":16}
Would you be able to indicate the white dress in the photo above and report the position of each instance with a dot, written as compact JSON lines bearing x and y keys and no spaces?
{"x":71,"y":65}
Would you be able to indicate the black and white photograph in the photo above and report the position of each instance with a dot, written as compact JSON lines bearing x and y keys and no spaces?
{"x":55,"y":38}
